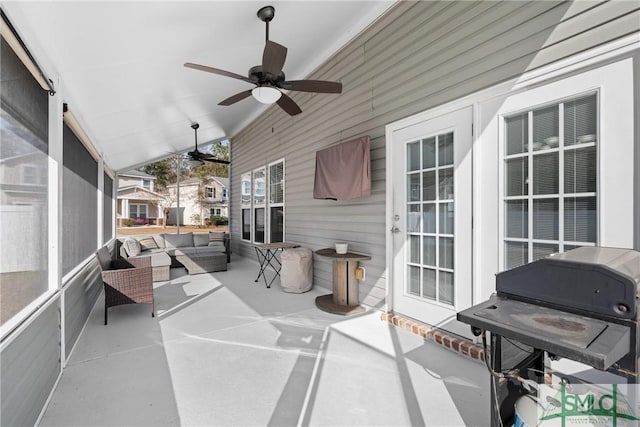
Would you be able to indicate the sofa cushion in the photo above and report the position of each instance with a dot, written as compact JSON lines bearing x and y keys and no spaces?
{"x":210,"y":250}
{"x":200,"y":239}
{"x":181,"y":251}
{"x":172,"y":241}
{"x":132,"y":246}
{"x":217,"y":238}
{"x":147,"y":243}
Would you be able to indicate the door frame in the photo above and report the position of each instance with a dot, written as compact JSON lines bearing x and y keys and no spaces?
{"x":427,"y":115}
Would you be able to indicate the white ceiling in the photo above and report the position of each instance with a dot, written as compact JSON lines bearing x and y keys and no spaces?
{"x":121,"y":70}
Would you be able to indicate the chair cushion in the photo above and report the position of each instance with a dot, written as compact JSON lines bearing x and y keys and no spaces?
{"x":147,"y":243}
{"x":182,"y":240}
{"x":159,"y":259}
{"x":132,"y":246}
{"x":200,"y":239}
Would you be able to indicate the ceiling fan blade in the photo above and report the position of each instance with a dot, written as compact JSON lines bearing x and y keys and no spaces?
{"x":235,"y":98}
{"x":288,"y":105}
{"x":318,"y":86}
{"x":217,"y":71}
{"x":273,"y":58}
{"x":222,"y":162}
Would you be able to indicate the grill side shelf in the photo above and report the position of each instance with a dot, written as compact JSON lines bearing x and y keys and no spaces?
{"x":591,"y":341}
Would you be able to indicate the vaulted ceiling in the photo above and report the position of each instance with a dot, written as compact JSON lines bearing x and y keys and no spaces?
{"x":120,"y":64}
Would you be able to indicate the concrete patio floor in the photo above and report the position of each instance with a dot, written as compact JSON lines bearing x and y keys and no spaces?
{"x":225,"y":351}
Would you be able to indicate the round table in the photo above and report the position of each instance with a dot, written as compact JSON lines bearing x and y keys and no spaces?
{"x":344,"y":299}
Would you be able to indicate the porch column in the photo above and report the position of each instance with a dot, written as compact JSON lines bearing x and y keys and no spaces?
{"x":125,"y":208}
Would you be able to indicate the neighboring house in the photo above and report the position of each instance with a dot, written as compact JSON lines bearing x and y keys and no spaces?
{"x":199,"y":200}
{"x":23,"y":210}
{"x":137,"y":200}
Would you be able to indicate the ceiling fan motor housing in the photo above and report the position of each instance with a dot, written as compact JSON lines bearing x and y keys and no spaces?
{"x":258,"y":77}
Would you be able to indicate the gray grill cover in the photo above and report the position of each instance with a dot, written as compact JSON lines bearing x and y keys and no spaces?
{"x":297,"y":270}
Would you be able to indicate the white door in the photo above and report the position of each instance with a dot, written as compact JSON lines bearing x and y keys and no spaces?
{"x":432,"y":214}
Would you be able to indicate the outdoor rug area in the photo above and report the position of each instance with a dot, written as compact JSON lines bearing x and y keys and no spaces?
{"x":226,"y":351}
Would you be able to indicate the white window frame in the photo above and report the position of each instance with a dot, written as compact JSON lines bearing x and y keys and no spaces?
{"x":271,"y":204}
{"x":209,"y":192}
{"x":246,"y":205}
{"x":615,"y":164}
{"x":138,"y":205}
{"x":257,"y":204}
{"x":561,"y":194}
{"x":145,"y":186}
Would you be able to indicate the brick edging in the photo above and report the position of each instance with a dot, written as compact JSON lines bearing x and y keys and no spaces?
{"x":453,"y":343}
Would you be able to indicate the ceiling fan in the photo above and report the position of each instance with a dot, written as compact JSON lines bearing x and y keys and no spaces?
{"x":268,"y":78}
{"x":198,"y":157}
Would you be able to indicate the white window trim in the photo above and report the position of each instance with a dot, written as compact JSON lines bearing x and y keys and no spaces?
{"x":530,"y":197}
{"x":255,"y":205}
{"x":146,"y":205}
{"x":247,"y":206}
{"x":284,"y":216}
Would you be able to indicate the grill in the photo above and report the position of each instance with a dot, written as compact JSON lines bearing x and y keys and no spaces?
{"x":580,"y":305}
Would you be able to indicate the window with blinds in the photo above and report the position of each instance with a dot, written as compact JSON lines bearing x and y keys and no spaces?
{"x":276,"y":202}
{"x":259,"y":201}
{"x":245,"y":201}
{"x":550,"y":180}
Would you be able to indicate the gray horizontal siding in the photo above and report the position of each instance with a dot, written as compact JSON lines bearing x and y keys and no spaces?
{"x":30,"y":366}
{"x":80,"y":293}
{"x":418,"y":56}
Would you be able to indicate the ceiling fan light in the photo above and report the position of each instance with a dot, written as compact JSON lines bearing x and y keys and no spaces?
{"x":266,"y":94}
{"x":195,"y":163}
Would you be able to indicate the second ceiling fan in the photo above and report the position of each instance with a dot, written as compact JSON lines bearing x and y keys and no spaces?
{"x":268,"y":78}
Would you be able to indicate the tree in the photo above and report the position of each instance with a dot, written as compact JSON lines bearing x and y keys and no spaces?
{"x":220,"y":150}
{"x":163,"y":170}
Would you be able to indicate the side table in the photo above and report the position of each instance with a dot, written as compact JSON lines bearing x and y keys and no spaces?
{"x":345,"y":297}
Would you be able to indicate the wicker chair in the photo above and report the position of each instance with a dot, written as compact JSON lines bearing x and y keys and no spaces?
{"x":125,"y":281}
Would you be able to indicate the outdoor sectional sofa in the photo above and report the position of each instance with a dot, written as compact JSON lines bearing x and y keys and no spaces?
{"x":198,"y":252}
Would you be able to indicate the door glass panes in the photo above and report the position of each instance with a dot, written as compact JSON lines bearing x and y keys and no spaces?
{"x":550,"y":180}
{"x":413,"y":187}
{"x":429,"y":153}
{"x":413,"y":219}
{"x":429,"y":185}
{"x":430,"y":218}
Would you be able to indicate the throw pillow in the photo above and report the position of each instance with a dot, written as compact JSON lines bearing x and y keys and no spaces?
{"x":216,"y":238}
{"x":132,"y":246}
{"x":147,"y":243}
{"x":200,"y":239}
